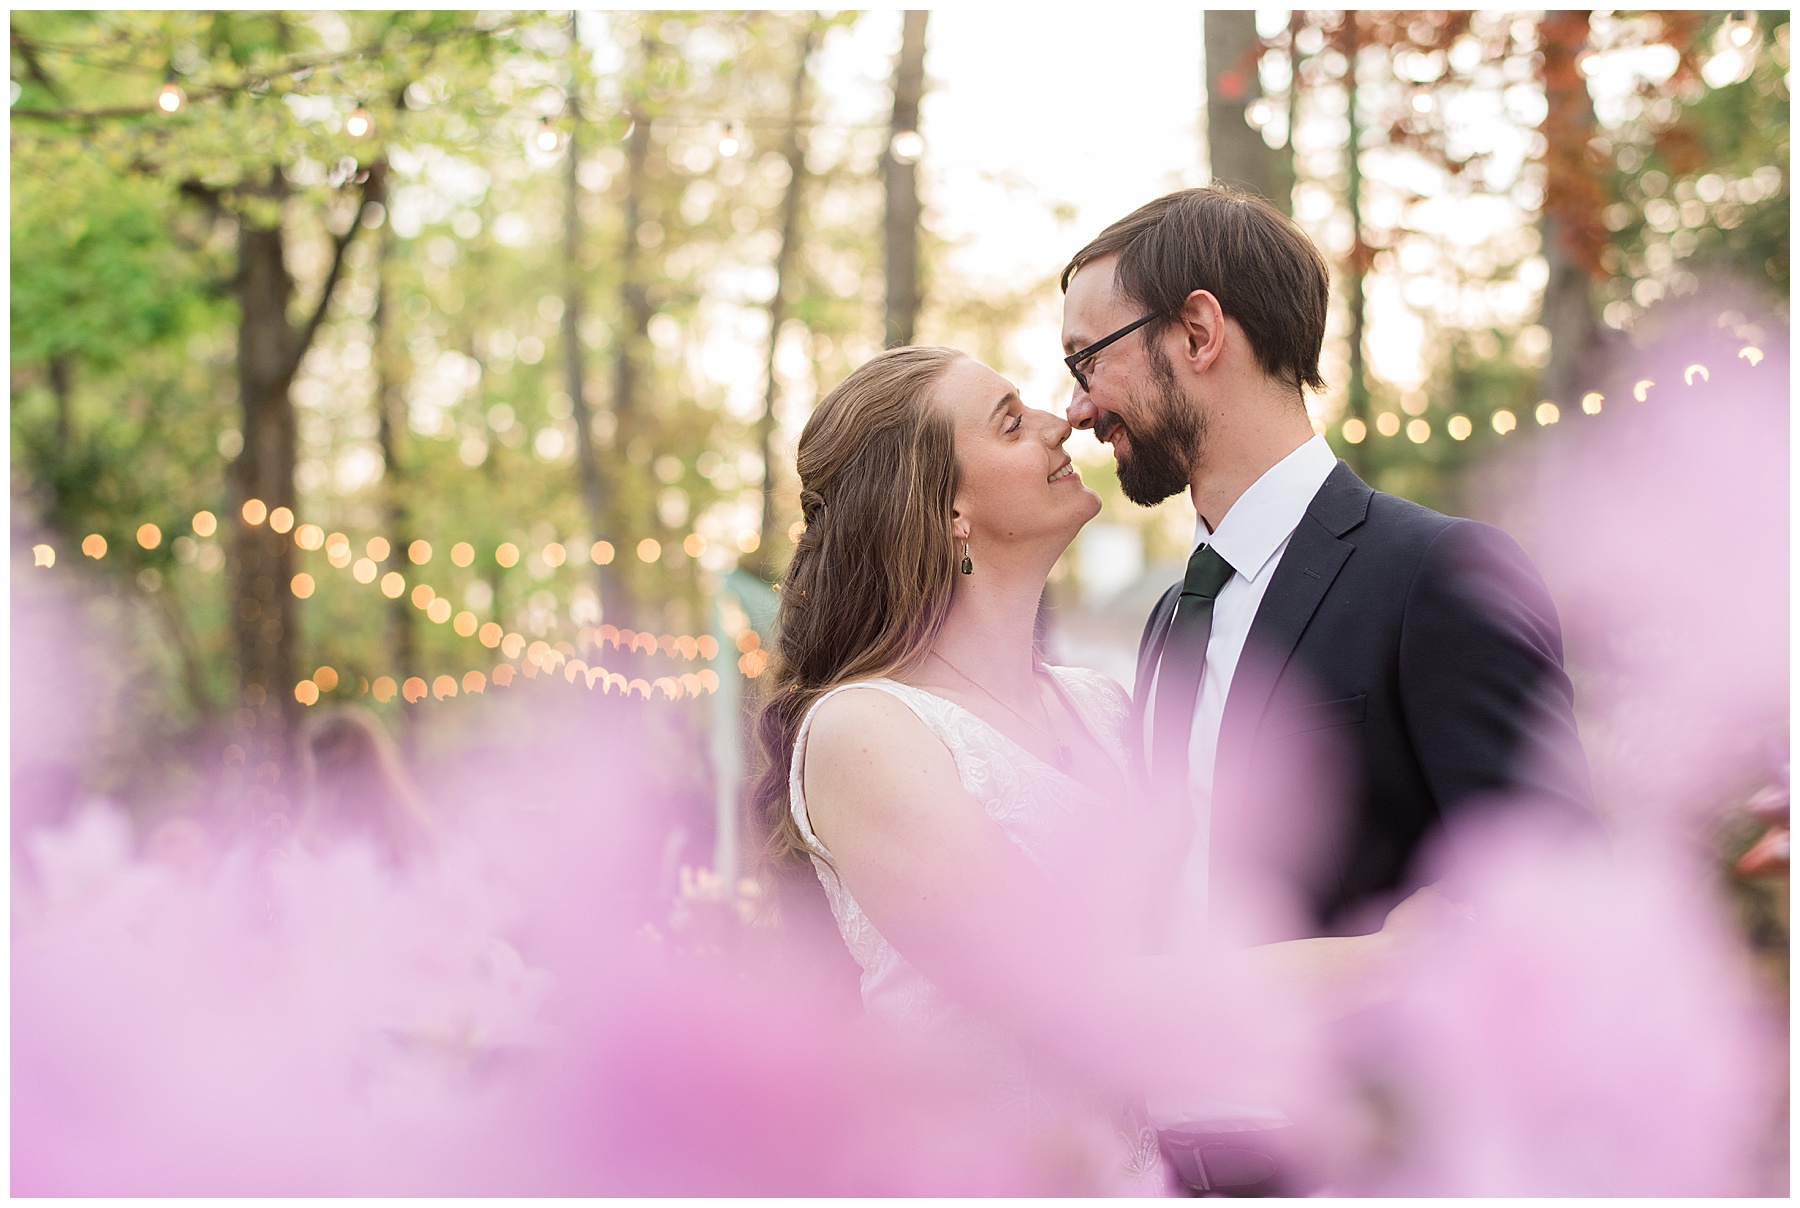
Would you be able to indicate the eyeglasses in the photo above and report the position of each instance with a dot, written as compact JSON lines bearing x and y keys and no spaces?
{"x":1076,"y":358}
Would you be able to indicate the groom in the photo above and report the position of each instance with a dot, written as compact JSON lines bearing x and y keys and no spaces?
{"x":1340,"y":671}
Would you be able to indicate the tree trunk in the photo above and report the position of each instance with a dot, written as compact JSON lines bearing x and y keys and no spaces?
{"x":262,"y":565}
{"x":62,"y":387}
{"x":1356,"y":273}
{"x":630,"y":336}
{"x":795,"y":152}
{"x":902,"y":183}
{"x":593,"y":492}
{"x":1238,"y":153}
{"x":390,"y":415}
{"x":261,"y":561}
{"x":1573,"y":199}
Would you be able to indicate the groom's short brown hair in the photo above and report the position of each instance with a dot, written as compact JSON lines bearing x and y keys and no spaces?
{"x":1262,"y":268}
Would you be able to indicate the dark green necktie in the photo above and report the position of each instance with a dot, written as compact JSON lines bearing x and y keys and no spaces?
{"x":1178,"y":677}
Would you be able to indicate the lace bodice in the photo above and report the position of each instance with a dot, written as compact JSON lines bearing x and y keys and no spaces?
{"x":1037,"y":806}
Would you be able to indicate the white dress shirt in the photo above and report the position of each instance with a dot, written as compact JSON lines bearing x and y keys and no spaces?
{"x":1252,"y":537}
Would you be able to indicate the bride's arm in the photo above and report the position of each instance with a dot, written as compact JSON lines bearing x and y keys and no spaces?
{"x":934,"y":874}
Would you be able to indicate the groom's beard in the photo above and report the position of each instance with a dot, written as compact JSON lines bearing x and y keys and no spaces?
{"x":1161,"y":453}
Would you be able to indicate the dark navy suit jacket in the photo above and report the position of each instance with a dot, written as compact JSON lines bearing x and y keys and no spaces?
{"x":1403,"y":666}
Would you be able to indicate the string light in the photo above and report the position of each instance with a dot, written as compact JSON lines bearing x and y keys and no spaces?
{"x":906,"y":146}
{"x":1691,"y":371}
{"x":1459,"y":427}
{"x":359,"y":123}
{"x":149,"y":536}
{"x":170,"y":98}
{"x":94,"y":545}
{"x":729,"y":144}
{"x":1504,"y":421}
{"x":43,"y":555}
{"x":1592,"y":401}
{"x":1548,"y":413}
{"x":548,"y":138}
{"x":1355,"y":431}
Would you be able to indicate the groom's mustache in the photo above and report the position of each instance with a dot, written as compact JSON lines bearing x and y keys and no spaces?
{"x":1104,"y":424}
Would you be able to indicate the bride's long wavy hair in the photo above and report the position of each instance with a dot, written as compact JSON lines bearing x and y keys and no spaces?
{"x":871,"y":577}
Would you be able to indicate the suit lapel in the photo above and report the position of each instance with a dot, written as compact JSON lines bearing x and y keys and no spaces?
{"x":1314,"y":556}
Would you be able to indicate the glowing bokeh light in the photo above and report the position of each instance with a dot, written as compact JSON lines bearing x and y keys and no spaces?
{"x":383,"y":689}
{"x":393,"y":585}
{"x":462,"y":553}
{"x":1547,"y":413}
{"x":1460,"y":427}
{"x":443,"y":686}
{"x":94,"y":545}
{"x":708,"y":646}
{"x":309,"y":536}
{"x":413,"y":690}
{"x":358,"y":124}
{"x":511,"y":645}
{"x":1418,"y":431}
{"x":326,"y":678}
{"x":503,"y":676}
{"x":281,"y":520}
{"x":1355,"y":431}
{"x":649,"y":549}
{"x":1641,"y":391}
{"x":377,"y":548}
{"x":43,"y":555}
{"x":907,"y":146}
{"x":365,"y":570}
{"x":749,"y":542}
{"x":149,"y":536}
{"x":491,"y":634}
{"x":1387,"y":423}
{"x":1752,"y":354}
{"x":601,"y":553}
{"x":419,"y":553}
{"x":466,"y":624}
{"x":438,"y":610}
{"x":170,"y":98}
{"x":255,"y":511}
{"x":1592,"y":401}
{"x":1505,"y":421}
{"x":474,"y":681}
{"x":205,"y":524}
{"x":693,"y":545}
{"x":507,"y":554}
{"x":302,"y":586}
{"x":306,"y":692}
{"x":423,"y":595}
{"x":555,"y":554}
{"x":1695,"y":370}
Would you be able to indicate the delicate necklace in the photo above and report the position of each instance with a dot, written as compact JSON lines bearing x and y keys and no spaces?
{"x":1065,"y":757}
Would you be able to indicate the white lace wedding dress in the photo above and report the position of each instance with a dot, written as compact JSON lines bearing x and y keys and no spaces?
{"x":1042,"y":810}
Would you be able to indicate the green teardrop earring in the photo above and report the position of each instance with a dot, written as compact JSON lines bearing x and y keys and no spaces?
{"x":968,"y":567}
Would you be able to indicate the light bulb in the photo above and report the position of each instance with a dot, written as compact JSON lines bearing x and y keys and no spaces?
{"x":548,"y":139}
{"x":1259,"y":113}
{"x":907,"y":146}
{"x":358,"y":124}
{"x":1740,"y":30}
{"x":729,"y":145}
{"x":169,"y":98}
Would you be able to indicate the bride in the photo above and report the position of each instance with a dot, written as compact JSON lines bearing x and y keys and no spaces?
{"x":967,"y":807}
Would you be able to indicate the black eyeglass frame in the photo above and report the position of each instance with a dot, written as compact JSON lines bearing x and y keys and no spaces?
{"x":1076,"y":358}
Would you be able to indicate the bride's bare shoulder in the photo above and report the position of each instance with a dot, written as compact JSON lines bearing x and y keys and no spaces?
{"x":864,"y":721}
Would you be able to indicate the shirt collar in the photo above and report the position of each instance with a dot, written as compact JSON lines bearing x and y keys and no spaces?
{"x":1266,"y":515}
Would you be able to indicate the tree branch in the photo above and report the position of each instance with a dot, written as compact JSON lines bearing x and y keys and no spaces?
{"x":373,"y":188}
{"x":218,"y":90}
